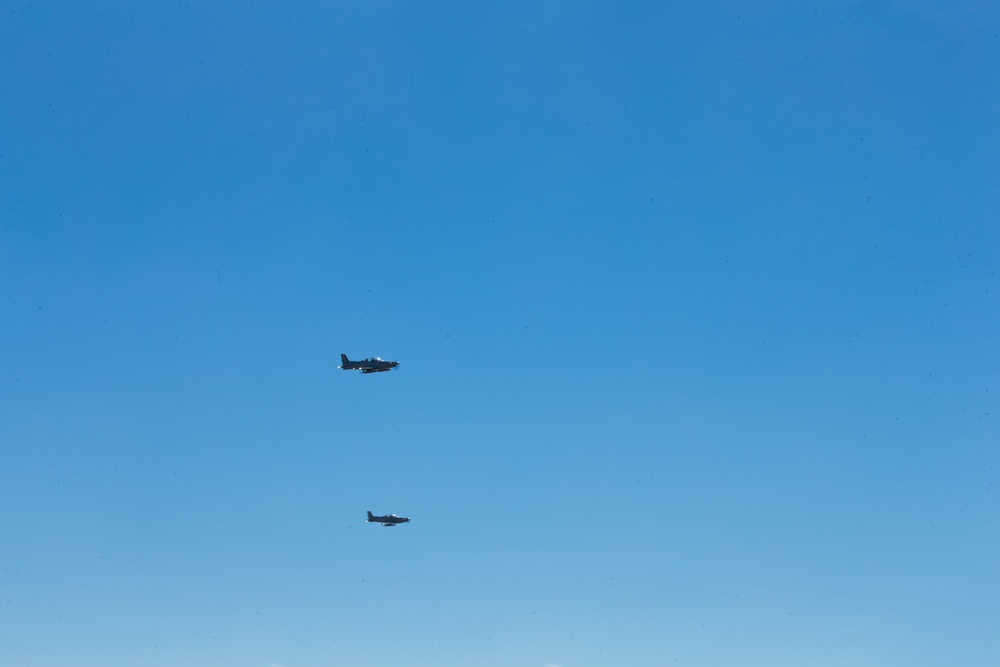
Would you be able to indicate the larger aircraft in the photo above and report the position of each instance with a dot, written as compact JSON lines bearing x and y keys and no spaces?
{"x":373,"y":365}
{"x":389,"y":520}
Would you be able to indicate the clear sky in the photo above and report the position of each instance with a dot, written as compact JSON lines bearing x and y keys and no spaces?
{"x":696,"y":305}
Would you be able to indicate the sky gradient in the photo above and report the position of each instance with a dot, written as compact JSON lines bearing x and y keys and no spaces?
{"x":695,"y":304}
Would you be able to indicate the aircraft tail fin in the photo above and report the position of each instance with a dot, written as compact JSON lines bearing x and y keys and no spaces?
{"x":371,"y":517}
{"x":344,"y":360}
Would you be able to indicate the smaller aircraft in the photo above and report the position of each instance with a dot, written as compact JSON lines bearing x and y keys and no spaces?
{"x":390,"y":520}
{"x":373,"y":365}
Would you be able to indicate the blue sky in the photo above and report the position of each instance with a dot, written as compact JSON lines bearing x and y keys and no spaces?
{"x":696,"y":308}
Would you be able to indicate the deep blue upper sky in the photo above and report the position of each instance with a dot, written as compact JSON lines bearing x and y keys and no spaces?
{"x":696,"y":305}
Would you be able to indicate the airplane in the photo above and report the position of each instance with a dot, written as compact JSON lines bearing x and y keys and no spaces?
{"x":373,"y":365}
{"x":390,"y":520}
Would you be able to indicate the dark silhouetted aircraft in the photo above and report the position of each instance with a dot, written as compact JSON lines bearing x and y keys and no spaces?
{"x":390,"y":520}
{"x":373,"y":365}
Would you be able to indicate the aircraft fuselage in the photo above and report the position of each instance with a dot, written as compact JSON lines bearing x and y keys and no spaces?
{"x":388,"y":520}
{"x":373,"y":365}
